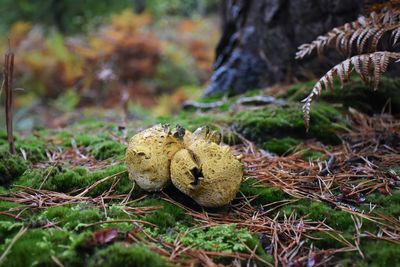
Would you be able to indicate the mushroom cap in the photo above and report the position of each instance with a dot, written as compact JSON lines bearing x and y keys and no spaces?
{"x":149,"y":155}
{"x":207,"y":172}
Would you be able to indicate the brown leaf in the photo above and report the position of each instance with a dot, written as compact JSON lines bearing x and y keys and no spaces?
{"x":105,"y":236}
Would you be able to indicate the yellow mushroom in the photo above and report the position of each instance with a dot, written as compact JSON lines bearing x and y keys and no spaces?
{"x":149,"y":155}
{"x":207,"y":172}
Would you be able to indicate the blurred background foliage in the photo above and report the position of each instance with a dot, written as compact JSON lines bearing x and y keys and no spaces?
{"x":104,"y":53}
{"x":75,"y":16}
{"x":67,"y":16}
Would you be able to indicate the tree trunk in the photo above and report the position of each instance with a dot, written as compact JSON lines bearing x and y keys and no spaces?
{"x":260,"y":39}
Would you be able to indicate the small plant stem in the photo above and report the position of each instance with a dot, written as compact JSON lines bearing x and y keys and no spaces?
{"x":7,"y":83}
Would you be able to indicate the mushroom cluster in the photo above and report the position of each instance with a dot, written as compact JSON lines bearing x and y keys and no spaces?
{"x":195,"y":163}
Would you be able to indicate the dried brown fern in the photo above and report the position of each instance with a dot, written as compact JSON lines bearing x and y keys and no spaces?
{"x":364,"y":34}
{"x":369,"y":66}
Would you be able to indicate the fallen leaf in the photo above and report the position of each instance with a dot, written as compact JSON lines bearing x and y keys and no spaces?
{"x":105,"y":236}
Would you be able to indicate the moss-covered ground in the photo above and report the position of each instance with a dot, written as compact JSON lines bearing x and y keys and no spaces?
{"x":66,"y":198}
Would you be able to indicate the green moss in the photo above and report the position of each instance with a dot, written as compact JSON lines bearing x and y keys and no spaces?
{"x":313,"y":155}
{"x":376,"y":253}
{"x":11,"y":167}
{"x":387,"y":204}
{"x":167,"y":216}
{"x":317,"y":211}
{"x":281,"y":146}
{"x":91,"y":123}
{"x":34,"y":148}
{"x":115,"y":211}
{"x":380,"y":253}
{"x":298,"y":91}
{"x":337,"y":219}
{"x":71,"y":217}
{"x":86,"y":140}
{"x":3,"y":136}
{"x":7,"y":229}
{"x":67,"y":180}
{"x":255,"y":245}
{"x":223,"y":238}
{"x":325,"y":240}
{"x":36,"y":247}
{"x":108,"y":149}
{"x":5,"y":206}
{"x":265,"y":195}
{"x":283,"y":122}
{"x":64,"y":134}
{"x":95,"y":137}
{"x":126,"y":255}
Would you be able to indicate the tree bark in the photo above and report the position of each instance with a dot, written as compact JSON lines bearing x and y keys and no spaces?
{"x":260,"y":39}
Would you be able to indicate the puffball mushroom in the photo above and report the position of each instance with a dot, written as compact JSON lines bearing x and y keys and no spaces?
{"x":195,"y":162}
{"x":149,"y":155}
{"x":207,"y":172}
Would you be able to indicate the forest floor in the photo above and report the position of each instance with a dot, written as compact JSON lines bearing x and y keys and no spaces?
{"x":318,"y":198}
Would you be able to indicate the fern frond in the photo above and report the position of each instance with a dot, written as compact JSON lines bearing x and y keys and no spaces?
{"x":369,"y":66}
{"x":362,"y":33}
{"x":395,"y":36}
